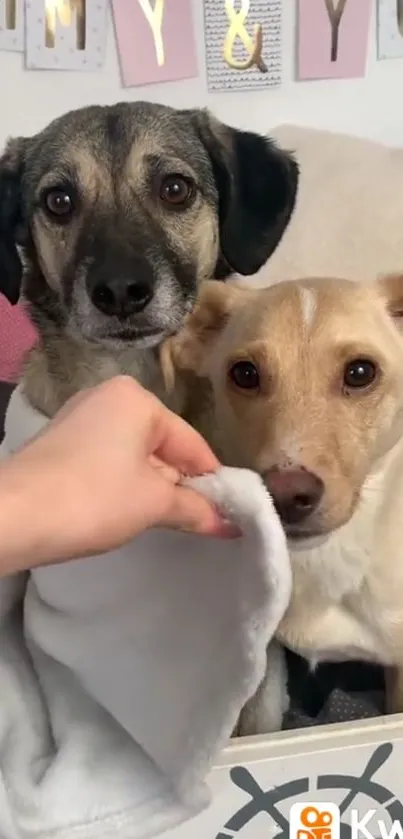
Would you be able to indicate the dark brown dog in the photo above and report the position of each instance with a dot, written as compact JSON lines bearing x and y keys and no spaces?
{"x":110,"y":219}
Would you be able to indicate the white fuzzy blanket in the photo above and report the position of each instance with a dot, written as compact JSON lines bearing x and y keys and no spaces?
{"x":121,"y":677}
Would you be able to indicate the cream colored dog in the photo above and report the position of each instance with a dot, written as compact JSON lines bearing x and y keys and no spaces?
{"x":303,"y":382}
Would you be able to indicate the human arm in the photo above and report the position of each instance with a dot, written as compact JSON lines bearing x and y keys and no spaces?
{"x":105,"y":468}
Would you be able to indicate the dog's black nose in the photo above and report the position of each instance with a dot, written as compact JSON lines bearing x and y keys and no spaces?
{"x":121,"y":297}
{"x":296,"y":493}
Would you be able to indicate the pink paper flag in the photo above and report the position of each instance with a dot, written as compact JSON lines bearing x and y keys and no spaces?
{"x":155,"y":40}
{"x":333,"y":38}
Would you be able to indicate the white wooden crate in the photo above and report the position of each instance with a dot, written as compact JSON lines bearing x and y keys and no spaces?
{"x":355,"y":765}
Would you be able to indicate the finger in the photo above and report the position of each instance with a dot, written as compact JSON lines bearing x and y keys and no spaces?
{"x":181,"y":446}
{"x":165,"y":471}
{"x":192,"y":513}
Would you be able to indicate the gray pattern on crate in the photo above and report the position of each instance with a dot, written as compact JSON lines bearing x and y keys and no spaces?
{"x":222,"y":77}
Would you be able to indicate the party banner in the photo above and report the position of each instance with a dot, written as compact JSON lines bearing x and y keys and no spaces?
{"x":390,"y":28}
{"x":65,"y":34}
{"x":333,"y":38}
{"x":243,"y":44}
{"x":12,"y":25}
{"x":155,"y":40}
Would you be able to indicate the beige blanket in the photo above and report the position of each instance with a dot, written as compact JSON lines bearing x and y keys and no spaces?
{"x":349,"y":215}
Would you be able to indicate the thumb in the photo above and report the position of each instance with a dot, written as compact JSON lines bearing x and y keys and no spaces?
{"x":192,"y":513}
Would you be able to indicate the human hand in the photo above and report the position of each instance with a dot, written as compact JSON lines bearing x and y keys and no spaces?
{"x":105,"y":468}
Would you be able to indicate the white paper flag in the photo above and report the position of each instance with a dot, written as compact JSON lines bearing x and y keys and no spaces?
{"x":243,"y":44}
{"x":12,"y":25}
{"x":65,"y":34}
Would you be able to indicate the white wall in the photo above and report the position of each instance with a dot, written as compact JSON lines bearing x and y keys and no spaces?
{"x":371,"y":107}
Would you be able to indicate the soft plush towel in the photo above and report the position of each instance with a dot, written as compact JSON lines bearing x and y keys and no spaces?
{"x":122,"y":676}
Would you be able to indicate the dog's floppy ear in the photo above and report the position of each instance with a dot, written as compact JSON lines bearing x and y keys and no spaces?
{"x":391,"y":290}
{"x":257,"y":186}
{"x":11,"y":170}
{"x":188,"y":350}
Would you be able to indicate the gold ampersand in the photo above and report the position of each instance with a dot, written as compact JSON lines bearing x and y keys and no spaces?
{"x":236,"y":30}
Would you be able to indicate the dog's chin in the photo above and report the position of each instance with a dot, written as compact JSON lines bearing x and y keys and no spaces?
{"x":311,"y":535}
{"x":120,"y":336}
{"x":313,"y":528}
{"x":306,"y":540}
{"x":139,"y":339}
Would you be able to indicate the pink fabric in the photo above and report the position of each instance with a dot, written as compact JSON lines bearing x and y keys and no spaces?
{"x":17,"y":336}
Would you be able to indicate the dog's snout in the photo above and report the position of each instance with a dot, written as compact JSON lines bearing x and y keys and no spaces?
{"x":296,"y":493}
{"x":121,"y":296}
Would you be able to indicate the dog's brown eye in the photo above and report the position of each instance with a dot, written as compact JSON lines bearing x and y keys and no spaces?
{"x":359,"y":373}
{"x":176,"y":190}
{"x":245,"y":375}
{"x":58,"y":203}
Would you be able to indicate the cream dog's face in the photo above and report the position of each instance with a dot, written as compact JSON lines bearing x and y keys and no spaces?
{"x":306,"y":381}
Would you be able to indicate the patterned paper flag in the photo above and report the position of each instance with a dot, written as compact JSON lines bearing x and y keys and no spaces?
{"x":333,"y":38}
{"x":243,"y":44}
{"x":390,"y":28}
{"x":155,"y":40}
{"x":65,"y":34}
{"x":12,"y":25}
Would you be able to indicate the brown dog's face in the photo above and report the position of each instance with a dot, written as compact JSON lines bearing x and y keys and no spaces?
{"x":119,"y":213}
{"x":307,"y":388}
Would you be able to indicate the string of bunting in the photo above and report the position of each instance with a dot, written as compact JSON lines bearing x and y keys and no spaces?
{"x":156,"y":38}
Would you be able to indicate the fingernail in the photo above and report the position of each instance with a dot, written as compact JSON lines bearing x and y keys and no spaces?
{"x":229,"y":530}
